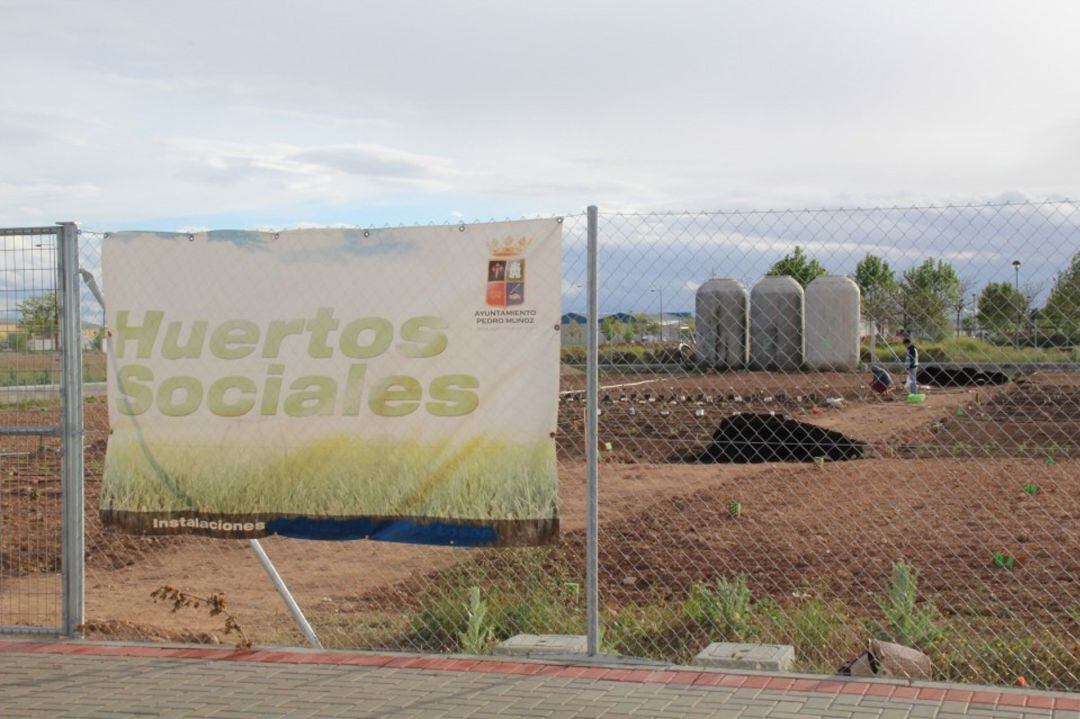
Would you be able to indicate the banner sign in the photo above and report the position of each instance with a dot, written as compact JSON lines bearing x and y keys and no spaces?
{"x":396,"y":384}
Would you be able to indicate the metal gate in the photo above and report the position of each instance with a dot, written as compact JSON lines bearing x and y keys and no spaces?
{"x":41,"y":452}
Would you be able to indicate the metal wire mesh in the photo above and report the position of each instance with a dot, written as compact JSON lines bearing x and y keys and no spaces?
{"x":765,"y":476}
{"x":790,"y":502}
{"x":29,"y":415}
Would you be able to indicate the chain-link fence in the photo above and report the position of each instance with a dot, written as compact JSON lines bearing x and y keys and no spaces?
{"x":775,"y":464}
{"x":802,"y":476}
{"x":29,"y":419}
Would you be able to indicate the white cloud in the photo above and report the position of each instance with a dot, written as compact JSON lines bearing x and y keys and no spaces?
{"x":506,"y":110}
{"x":379,"y":162}
{"x":12,"y":191}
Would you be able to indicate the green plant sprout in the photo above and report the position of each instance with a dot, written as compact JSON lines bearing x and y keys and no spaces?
{"x":1031,"y":489}
{"x":1003,"y":561}
{"x":734,"y":508}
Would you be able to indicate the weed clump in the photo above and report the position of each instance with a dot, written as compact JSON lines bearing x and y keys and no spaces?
{"x":906,"y":621}
{"x":725,"y":608}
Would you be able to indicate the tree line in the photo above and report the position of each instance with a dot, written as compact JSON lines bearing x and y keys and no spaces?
{"x":929,"y":299}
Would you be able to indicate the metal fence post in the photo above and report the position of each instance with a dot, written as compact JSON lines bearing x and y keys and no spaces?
{"x":286,"y":596}
{"x":71,"y":433}
{"x":592,"y":614}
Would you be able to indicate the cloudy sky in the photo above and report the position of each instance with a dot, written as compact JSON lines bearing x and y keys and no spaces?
{"x":164,"y":115}
{"x":179,"y":115}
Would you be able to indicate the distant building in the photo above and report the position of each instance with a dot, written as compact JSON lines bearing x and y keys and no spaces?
{"x":674,"y":327}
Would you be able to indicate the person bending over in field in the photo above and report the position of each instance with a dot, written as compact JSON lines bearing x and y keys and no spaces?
{"x":881,"y":381}
{"x":911,"y":364}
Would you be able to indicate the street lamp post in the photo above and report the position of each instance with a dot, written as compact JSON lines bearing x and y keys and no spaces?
{"x":1019,"y":305}
{"x":661,"y":293}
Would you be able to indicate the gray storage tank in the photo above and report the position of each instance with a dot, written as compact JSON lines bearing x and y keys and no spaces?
{"x":722,"y":324}
{"x":833,"y":306}
{"x":776,"y":324}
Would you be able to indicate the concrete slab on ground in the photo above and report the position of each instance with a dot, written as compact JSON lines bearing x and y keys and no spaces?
{"x":527,"y":645}
{"x":756,"y":657}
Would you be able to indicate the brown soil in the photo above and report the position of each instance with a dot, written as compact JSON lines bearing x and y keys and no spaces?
{"x":664,"y":525}
{"x":30,"y":499}
{"x":669,"y":419}
{"x":839,"y":529}
{"x":1036,"y":420}
{"x":843,"y":526}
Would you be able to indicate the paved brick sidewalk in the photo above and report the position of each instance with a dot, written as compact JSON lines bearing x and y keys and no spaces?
{"x":86,"y":680}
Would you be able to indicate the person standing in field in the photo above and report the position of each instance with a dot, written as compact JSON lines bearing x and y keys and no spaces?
{"x":911,"y":364}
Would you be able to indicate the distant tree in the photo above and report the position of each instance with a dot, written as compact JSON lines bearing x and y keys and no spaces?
{"x":798,"y":265}
{"x":16,"y":341}
{"x":646,"y":325}
{"x":1001,"y":307}
{"x":1062,"y":309}
{"x":927,"y":293}
{"x":611,"y":328}
{"x":574,"y":332}
{"x":877,"y":281}
{"x":39,"y":316}
{"x":628,"y":333}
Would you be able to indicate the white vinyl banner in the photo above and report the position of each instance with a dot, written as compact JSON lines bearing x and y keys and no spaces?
{"x":396,"y":384}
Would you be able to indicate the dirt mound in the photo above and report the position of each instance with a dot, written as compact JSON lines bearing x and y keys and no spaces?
{"x":1033,"y":421}
{"x":960,"y":376}
{"x":775,"y":438}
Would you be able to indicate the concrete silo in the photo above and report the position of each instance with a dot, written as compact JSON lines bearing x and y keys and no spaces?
{"x":833,"y":306}
{"x":776,"y":324}
{"x":722,"y":322}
